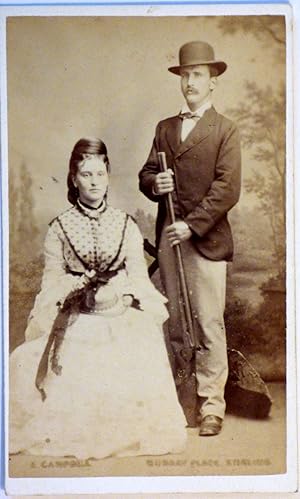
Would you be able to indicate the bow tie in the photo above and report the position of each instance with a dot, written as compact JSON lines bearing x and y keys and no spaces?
{"x":189,"y":116}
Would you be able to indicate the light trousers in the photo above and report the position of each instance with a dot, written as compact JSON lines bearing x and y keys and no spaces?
{"x":206,"y":282}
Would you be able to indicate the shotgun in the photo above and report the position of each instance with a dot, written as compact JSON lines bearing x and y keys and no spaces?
{"x":190,"y":333}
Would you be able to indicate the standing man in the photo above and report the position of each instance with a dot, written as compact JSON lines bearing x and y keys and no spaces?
{"x":204,"y":175}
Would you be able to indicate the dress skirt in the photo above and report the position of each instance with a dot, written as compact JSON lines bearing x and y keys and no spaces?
{"x":115,"y":395}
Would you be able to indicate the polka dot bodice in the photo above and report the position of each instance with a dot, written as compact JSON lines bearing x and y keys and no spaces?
{"x":92,"y":239}
{"x":80,"y":239}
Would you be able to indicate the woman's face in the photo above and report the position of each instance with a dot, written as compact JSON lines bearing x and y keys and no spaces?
{"x":91,"y":180}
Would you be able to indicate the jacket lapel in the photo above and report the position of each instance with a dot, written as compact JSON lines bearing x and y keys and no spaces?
{"x":173,"y":133}
{"x":202,"y":129}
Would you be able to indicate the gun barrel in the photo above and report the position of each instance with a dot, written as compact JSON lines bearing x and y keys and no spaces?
{"x":182,"y":279}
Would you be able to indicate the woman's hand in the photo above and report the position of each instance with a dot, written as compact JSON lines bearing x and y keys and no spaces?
{"x":84,"y":279}
{"x":90,"y":273}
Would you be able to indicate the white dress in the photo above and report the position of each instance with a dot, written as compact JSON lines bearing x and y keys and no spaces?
{"x":115,"y":395}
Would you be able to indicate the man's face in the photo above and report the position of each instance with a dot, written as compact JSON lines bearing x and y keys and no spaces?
{"x":196,"y":85}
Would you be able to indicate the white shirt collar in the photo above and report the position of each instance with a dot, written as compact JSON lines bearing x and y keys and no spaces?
{"x":200,"y":111}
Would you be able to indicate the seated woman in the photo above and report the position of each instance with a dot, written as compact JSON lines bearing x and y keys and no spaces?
{"x":92,"y":378}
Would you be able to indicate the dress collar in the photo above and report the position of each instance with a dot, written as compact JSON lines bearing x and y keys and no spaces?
{"x":90,"y":211}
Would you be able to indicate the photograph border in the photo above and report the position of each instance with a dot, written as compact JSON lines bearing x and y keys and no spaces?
{"x":276,"y":483}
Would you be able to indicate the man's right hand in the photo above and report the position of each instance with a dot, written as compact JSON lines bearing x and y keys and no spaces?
{"x":164,"y":182}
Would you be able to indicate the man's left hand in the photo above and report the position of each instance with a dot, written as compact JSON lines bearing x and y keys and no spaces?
{"x":178,"y":232}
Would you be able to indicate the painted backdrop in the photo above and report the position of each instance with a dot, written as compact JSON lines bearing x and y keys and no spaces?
{"x":69,"y":77}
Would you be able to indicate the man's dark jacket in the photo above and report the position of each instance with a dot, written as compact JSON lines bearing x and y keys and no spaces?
{"x":207,"y":168}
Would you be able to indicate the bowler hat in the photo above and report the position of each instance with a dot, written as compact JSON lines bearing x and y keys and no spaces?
{"x":195,"y":53}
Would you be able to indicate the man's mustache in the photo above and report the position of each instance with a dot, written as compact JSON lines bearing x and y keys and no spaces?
{"x":190,"y":89}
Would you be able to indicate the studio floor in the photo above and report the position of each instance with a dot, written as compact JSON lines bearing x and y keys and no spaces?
{"x":244,"y":447}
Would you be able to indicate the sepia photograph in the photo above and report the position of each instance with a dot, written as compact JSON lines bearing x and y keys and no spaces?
{"x":148,"y":178}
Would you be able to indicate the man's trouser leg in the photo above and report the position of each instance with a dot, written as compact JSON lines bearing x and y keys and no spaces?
{"x":206,"y":281}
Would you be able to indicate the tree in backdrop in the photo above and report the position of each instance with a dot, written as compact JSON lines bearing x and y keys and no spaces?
{"x":269,"y":30}
{"x":25,"y":260}
{"x":261,"y":118}
{"x":146,"y":223}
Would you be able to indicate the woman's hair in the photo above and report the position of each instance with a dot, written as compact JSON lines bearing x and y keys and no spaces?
{"x":83,"y":149}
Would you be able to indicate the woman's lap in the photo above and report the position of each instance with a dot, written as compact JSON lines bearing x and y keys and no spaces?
{"x":116,"y":389}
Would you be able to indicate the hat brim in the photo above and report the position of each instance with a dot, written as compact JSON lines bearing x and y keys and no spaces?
{"x":220,"y":66}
